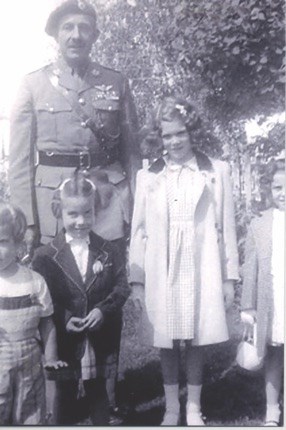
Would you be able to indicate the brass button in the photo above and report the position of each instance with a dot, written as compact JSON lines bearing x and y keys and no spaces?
{"x":109,"y":107}
{"x":83,"y":124}
{"x":81,"y":101}
{"x":51,"y":109}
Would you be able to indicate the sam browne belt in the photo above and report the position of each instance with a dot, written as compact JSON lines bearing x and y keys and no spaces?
{"x":79,"y":160}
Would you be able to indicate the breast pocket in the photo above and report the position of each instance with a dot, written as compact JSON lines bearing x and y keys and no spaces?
{"x":108,"y":112}
{"x":52,"y":115}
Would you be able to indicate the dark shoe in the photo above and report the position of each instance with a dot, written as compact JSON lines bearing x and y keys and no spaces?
{"x":115,"y":416}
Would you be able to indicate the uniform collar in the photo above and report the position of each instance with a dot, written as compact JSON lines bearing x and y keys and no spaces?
{"x":89,"y":75}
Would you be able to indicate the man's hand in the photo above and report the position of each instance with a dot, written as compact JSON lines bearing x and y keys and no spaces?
{"x":32,"y":239}
{"x":93,"y":319}
{"x":228,"y":293}
{"x":75,"y":325}
{"x":138,"y":295}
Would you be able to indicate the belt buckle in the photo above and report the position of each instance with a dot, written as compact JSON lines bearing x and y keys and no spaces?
{"x":82,"y":163}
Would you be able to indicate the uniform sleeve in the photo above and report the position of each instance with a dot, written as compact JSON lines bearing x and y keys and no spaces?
{"x":230,"y":252}
{"x":250,"y":270}
{"x":138,"y":232}
{"x":129,"y":127}
{"x":45,"y":299}
{"x":21,"y":152}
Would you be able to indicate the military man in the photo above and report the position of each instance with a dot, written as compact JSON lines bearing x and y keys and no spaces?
{"x":71,"y":114}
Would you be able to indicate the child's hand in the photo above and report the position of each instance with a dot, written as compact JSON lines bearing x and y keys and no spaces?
{"x":75,"y":325}
{"x":248,"y":317}
{"x":228,"y":294}
{"x":93,"y":319}
{"x":55,"y":364}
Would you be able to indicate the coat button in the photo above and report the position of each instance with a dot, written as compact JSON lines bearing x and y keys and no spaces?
{"x":81,"y":101}
{"x":83,"y":124}
{"x":51,"y":109}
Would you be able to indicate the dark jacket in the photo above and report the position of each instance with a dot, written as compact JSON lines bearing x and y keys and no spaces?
{"x":107,"y":290}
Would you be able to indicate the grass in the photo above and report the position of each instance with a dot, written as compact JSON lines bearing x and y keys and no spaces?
{"x":230,"y":396}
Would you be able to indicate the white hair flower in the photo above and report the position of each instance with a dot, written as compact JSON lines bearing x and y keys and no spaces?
{"x":181,"y":109}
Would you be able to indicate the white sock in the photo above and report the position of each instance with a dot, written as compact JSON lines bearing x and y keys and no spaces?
{"x":194,"y":398}
{"x":272,"y":412}
{"x":172,"y":398}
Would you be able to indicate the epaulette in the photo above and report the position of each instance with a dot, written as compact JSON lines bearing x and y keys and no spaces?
{"x":108,"y":68}
{"x":40,"y":69}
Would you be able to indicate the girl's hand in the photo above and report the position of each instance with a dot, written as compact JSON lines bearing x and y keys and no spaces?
{"x":138,"y":296}
{"x":248,"y":317}
{"x":75,"y":325}
{"x":55,"y":364}
{"x":228,"y":294}
{"x":93,"y":319}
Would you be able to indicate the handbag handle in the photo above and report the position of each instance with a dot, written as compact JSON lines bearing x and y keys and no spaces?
{"x":246,"y":335}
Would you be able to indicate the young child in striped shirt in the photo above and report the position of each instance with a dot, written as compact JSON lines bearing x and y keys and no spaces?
{"x":26,"y":311}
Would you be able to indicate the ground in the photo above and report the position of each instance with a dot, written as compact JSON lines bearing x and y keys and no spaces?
{"x":230,"y":396}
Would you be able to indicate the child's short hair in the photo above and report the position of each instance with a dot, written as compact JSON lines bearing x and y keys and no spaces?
{"x":12,"y":218}
{"x":76,"y":186}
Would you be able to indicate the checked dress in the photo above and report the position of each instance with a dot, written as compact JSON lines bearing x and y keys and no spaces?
{"x":181,"y":271}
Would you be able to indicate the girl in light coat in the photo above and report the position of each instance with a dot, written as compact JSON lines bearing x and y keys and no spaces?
{"x":183,"y":253}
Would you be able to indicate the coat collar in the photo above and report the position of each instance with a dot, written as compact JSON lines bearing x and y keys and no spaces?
{"x":202,"y":181}
{"x":64,"y":259}
{"x":203,"y":161}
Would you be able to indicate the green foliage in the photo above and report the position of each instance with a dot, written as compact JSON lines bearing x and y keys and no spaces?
{"x":227,"y":56}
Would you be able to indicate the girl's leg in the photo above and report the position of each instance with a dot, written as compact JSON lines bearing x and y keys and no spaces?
{"x":66,"y":409}
{"x":98,"y":401}
{"x":170,"y":371}
{"x":194,"y":364}
{"x":273,"y":382}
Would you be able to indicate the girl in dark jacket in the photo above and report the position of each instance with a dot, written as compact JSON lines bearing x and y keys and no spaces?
{"x":88,"y":285}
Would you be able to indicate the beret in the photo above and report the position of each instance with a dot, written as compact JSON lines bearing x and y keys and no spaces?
{"x":81,"y":7}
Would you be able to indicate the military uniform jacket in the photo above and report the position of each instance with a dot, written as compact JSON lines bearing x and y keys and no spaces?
{"x":43,"y":120}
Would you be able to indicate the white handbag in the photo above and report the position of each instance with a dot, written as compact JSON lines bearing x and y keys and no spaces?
{"x":247,"y":357}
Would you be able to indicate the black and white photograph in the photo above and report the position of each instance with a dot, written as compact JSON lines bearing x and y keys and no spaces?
{"x":142,"y":213}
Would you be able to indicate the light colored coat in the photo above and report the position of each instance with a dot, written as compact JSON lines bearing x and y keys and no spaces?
{"x":257,"y":277}
{"x":216,"y":256}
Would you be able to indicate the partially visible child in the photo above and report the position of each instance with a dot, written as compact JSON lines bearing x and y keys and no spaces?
{"x":87,"y":281}
{"x":263,"y":288}
{"x":26,"y":309}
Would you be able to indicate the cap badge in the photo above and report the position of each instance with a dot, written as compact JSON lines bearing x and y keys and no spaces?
{"x":82,"y":5}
